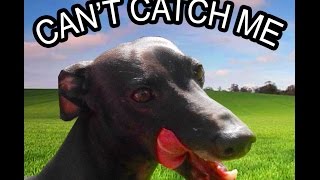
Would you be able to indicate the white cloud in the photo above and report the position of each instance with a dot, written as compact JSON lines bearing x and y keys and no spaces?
{"x":251,"y":3}
{"x":85,"y":42}
{"x":261,"y":59}
{"x":33,"y":51}
{"x":222,"y":72}
{"x":42,"y":65}
{"x":292,"y":56}
{"x":254,"y":72}
{"x":266,"y":58}
{"x":250,"y":77}
{"x":230,"y":41}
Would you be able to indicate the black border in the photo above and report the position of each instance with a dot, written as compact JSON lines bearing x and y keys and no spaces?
{"x":307,"y":106}
{"x":12,"y":70}
{"x":306,"y":129}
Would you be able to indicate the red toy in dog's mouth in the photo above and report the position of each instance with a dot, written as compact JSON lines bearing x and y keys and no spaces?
{"x":171,"y":153}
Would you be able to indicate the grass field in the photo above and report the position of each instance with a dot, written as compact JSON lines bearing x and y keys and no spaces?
{"x":271,"y":117}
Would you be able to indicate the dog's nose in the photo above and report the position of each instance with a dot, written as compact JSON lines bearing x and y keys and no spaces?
{"x":234,"y":144}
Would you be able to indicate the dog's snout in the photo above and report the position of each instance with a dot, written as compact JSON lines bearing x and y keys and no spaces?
{"x":234,"y":144}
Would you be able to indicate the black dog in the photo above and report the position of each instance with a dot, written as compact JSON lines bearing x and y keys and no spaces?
{"x":124,"y":98}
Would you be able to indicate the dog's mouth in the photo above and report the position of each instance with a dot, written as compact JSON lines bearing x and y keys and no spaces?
{"x":171,"y":153}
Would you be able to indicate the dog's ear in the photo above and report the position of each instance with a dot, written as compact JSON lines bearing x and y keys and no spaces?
{"x":72,"y":87}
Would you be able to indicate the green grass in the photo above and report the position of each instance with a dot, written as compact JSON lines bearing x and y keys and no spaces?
{"x":271,"y":117}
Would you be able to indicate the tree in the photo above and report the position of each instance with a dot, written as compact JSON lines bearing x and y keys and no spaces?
{"x":234,"y":88}
{"x":269,"y":88}
{"x":208,"y":88}
{"x":269,"y":82}
{"x":245,"y":89}
{"x":290,"y":90}
{"x":255,"y":89}
{"x":219,"y":88}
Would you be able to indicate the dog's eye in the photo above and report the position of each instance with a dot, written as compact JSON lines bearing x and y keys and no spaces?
{"x":199,"y":74}
{"x":142,"y":95}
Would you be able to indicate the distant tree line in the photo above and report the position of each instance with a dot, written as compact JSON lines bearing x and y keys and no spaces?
{"x":269,"y":87}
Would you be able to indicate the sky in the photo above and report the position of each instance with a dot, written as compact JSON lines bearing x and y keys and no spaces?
{"x":226,"y":58}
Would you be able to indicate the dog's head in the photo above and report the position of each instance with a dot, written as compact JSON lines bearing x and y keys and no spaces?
{"x":149,"y":90}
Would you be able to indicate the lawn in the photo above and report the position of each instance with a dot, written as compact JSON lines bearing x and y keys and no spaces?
{"x":270,"y":117}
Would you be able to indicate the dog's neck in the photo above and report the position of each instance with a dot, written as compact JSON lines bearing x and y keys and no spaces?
{"x":129,"y":158}
{"x":96,"y":151}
